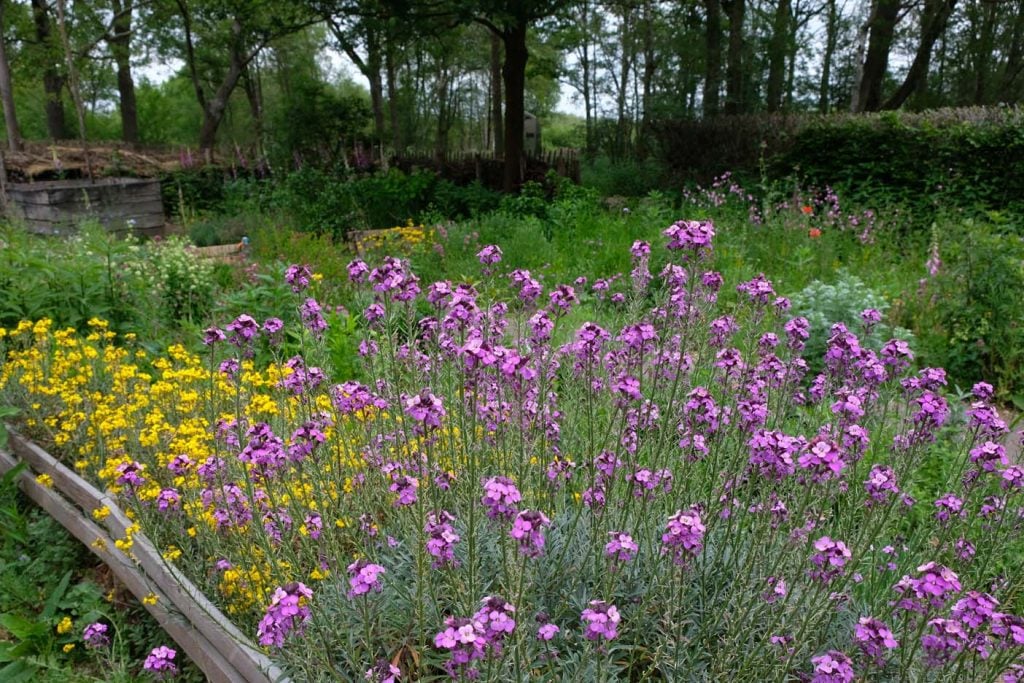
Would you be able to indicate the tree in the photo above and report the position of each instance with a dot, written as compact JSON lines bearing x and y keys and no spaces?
{"x":881,"y":26}
{"x":6,"y":89}
{"x":232,"y":31}
{"x":934,"y":17}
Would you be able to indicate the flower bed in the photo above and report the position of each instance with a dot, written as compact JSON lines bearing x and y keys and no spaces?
{"x":507,"y":493}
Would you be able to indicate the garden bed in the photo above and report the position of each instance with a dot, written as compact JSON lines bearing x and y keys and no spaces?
{"x":203,"y":632}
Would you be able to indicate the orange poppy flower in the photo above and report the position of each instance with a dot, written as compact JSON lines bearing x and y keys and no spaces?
{"x":808,"y":210}
{"x":815,"y":233}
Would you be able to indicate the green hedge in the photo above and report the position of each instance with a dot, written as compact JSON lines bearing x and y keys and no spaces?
{"x":968,"y":157}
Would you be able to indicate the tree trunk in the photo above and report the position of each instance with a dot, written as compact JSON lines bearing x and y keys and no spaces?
{"x":626,"y":63}
{"x":53,"y":80}
{"x":213,"y":111}
{"x":120,"y":49}
{"x":497,"y":129}
{"x":650,"y":68}
{"x":374,"y":76}
{"x":934,"y":17}
{"x":734,"y":103}
{"x":7,"y":91}
{"x":392,"y":73}
{"x":1014,"y":56}
{"x":586,"y":67}
{"x":514,"y":74}
{"x":442,"y":95}
{"x":713,"y":50}
{"x":882,"y":26}
{"x":831,"y":36}
{"x":986,"y":39}
{"x":254,"y":96}
{"x":777,"y":52}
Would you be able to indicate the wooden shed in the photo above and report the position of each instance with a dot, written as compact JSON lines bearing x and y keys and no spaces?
{"x":58,"y":207}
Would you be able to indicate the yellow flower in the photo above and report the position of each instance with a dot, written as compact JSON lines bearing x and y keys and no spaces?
{"x":172,"y":553}
{"x":99,"y":544}
{"x":64,"y":626}
{"x":150,"y":599}
{"x":68,"y":648}
{"x":45,"y":480}
{"x":100,"y":514}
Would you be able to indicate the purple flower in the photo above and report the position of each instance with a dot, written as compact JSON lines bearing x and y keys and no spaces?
{"x":298,"y":277}
{"x":948,"y":506}
{"x":383,"y":672}
{"x":975,"y":610}
{"x":364,"y":577}
{"x":312,"y":317}
{"x":601,"y":620}
{"x":622,"y":547}
{"x":213,"y":335}
{"x":168,"y":500}
{"x":497,"y":618}
{"x":426,"y":408}
{"x":160,"y":662}
{"x":881,"y":484}
{"x":989,"y":455}
{"x":130,"y":474}
{"x":528,"y":532}
{"x":501,"y":498}
{"x":547,"y":631}
{"x":358,"y":270}
{"x":832,"y":667}
{"x":823,"y":459}
{"x":772,"y":453}
{"x":944,"y":639}
{"x":684,"y":535}
{"x":830,"y":558}
{"x":466,"y":640}
{"x":694,"y":237}
{"x":243,"y":330}
{"x":759,"y":290}
{"x":933,"y":587}
{"x":490,"y":255}
{"x":95,"y":635}
{"x":874,"y":638}
{"x":406,"y":488}
{"x":441,"y":539}
{"x":287,"y":613}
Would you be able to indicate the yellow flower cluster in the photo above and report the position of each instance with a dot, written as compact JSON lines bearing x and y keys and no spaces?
{"x":405,"y":239}
{"x":107,"y":409}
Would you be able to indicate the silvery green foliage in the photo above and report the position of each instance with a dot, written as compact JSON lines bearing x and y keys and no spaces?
{"x":843,"y":301}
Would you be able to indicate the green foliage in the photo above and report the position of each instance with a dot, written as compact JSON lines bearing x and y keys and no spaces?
{"x":824,"y":305}
{"x":611,"y":177}
{"x":973,"y":310}
{"x":135,"y":286}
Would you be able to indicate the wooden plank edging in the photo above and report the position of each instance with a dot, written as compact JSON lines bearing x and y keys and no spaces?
{"x":219,"y":634}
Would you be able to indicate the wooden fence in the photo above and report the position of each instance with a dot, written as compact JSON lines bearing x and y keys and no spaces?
{"x":209,"y":638}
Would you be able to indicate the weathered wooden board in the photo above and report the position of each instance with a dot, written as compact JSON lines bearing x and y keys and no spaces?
{"x":58,"y":207}
{"x":232,"y":655}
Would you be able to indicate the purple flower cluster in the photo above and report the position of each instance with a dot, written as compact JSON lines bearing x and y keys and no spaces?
{"x":830,"y":557}
{"x":874,"y":638}
{"x":601,"y":621}
{"x":95,"y":635}
{"x":528,"y":531}
{"x":287,"y":613}
{"x":364,"y":577}
{"x":622,"y":548}
{"x":684,"y":535}
{"x":425,"y":408}
{"x":160,"y":662}
{"x":832,"y":667}
{"x":441,"y":539}
{"x":501,"y":498}
{"x":694,"y":237}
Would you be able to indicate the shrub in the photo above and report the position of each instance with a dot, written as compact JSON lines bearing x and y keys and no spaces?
{"x":658,"y":496}
{"x":847,"y":302}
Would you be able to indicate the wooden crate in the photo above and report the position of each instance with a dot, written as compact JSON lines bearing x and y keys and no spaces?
{"x":57,"y":207}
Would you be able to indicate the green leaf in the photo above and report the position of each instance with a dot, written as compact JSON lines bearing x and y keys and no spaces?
{"x":19,"y":671}
{"x":21,"y":627}
{"x":51,"y":603}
